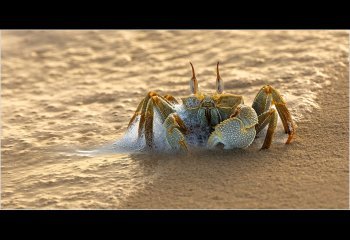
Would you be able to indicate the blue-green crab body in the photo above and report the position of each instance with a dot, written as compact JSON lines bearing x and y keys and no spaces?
{"x":212,"y":119}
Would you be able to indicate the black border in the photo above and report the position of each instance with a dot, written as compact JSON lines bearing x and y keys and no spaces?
{"x":105,"y":217}
{"x":173,"y":22}
{"x":176,"y":15}
{"x":212,"y":224}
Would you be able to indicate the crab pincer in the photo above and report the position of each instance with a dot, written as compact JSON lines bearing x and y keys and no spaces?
{"x":238,"y":131}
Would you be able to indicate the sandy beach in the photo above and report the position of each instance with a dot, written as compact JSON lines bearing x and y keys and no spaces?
{"x":65,"y":91}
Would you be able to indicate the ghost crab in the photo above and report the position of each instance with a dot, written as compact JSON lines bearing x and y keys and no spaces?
{"x":224,"y":117}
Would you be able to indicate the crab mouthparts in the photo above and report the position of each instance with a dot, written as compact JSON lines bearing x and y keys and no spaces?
{"x":208,"y":115}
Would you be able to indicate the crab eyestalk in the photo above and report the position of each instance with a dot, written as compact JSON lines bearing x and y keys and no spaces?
{"x":193,"y":82}
{"x":219,"y":81}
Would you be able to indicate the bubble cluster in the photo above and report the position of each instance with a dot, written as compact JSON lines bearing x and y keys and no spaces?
{"x":130,"y":142}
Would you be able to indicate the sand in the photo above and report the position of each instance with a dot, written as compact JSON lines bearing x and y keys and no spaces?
{"x":63,"y":91}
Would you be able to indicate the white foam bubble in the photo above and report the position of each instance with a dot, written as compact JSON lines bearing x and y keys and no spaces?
{"x":130,"y":142}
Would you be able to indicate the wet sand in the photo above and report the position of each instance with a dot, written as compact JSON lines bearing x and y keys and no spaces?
{"x":69,"y":90}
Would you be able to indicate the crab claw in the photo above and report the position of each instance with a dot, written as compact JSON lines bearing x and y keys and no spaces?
{"x":235,"y":132}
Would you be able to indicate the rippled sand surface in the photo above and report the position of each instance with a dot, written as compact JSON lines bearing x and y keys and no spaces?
{"x":64,"y":91}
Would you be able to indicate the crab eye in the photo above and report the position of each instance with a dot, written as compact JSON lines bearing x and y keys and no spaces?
{"x":192,"y":102}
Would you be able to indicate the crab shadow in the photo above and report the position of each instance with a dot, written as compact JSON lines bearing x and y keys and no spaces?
{"x":215,"y":163}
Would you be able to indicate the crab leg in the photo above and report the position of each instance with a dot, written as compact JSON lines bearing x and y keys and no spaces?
{"x":266,"y":97}
{"x":267,"y":118}
{"x":164,"y":105}
{"x":175,"y":130}
{"x":142,"y":107}
{"x":164,"y":109}
{"x":137,"y":112}
{"x":171,"y":99}
{"x":148,"y":125}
